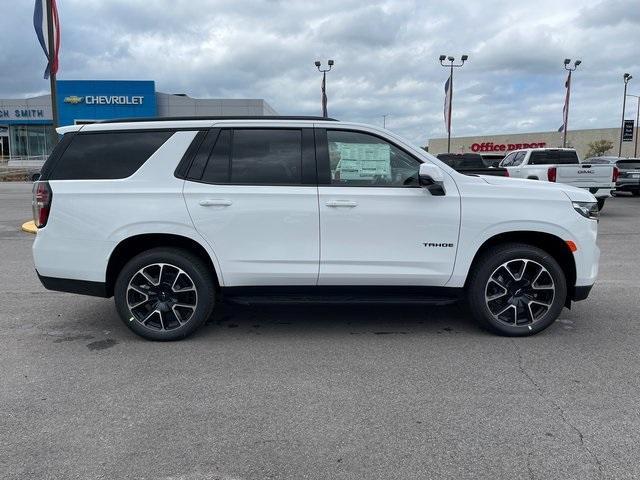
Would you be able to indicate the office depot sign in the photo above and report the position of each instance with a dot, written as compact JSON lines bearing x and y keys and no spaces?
{"x":504,"y":147}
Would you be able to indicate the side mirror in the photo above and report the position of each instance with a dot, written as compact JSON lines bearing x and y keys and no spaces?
{"x":432,"y":178}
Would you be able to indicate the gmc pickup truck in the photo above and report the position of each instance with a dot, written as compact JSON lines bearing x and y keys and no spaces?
{"x":562,"y":165}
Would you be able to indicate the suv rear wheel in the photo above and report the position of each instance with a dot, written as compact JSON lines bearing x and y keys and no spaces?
{"x":164,"y":294}
{"x":516,"y":290}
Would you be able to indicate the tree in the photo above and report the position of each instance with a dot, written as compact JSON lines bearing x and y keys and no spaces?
{"x":598,"y":148}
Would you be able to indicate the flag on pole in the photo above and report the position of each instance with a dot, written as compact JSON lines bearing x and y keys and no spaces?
{"x":565,"y":109}
{"x":51,"y":47}
{"x":447,"y":104}
{"x":324,"y":96}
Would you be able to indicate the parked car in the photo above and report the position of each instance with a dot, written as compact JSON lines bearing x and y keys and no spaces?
{"x":171,"y":216}
{"x":629,"y":172}
{"x":562,"y":165}
{"x":471,"y":164}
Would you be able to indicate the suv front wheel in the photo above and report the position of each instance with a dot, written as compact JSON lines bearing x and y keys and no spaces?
{"x":164,"y":294}
{"x":516,"y":290}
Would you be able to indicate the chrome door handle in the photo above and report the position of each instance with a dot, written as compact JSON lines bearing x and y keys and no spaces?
{"x":215,"y":202}
{"x":341,"y":203}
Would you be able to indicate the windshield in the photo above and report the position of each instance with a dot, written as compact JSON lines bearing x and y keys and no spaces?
{"x":631,"y":164}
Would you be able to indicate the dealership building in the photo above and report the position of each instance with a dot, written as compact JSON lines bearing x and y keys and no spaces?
{"x":501,"y":144}
{"x":26,"y":126}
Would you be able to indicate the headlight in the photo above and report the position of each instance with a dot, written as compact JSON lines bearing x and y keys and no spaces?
{"x":587,"y":209}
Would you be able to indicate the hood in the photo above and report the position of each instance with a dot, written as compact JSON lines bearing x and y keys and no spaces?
{"x":575,"y":194}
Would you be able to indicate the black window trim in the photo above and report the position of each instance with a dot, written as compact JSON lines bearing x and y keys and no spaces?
{"x":324,"y":165}
{"x":308,"y":161}
{"x":187,"y":159}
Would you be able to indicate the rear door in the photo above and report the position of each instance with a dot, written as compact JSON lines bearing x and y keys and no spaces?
{"x":377,"y":225}
{"x":252,"y":194}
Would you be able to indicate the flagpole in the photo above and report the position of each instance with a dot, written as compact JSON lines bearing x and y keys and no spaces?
{"x":52,"y":76}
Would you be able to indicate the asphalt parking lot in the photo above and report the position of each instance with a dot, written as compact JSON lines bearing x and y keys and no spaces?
{"x":318,"y":392}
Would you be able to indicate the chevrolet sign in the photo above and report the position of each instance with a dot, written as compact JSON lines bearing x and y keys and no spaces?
{"x":105,"y":100}
{"x":113,"y":100}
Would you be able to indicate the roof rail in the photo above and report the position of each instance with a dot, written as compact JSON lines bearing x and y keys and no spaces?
{"x":231,"y":117}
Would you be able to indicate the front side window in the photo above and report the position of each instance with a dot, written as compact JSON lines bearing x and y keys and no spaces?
{"x":508,"y":160}
{"x":359,"y":159}
{"x":517,"y":160}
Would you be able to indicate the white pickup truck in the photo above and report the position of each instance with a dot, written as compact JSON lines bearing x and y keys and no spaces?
{"x":562,"y":165}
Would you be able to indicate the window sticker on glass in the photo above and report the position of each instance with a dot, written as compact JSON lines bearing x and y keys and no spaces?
{"x":361,"y":161}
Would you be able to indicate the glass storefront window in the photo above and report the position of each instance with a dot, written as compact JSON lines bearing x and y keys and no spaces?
{"x":31,"y":141}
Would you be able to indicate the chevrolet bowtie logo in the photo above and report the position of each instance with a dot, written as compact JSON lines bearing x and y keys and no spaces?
{"x":73,"y":99}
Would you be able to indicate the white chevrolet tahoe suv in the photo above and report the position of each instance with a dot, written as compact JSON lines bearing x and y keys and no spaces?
{"x":172,"y":216}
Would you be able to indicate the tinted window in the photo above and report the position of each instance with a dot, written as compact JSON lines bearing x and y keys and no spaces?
{"x":461,"y":161}
{"x":267,"y":157}
{"x":217,"y":170}
{"x":632,"y":164}
{"x":107,"y":155}
{"x":553,"y":157}
{"x":365,"y":160}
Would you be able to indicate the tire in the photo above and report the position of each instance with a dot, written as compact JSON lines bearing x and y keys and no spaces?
{"x":600,"y":203}
{"x":524,"y":311}
{"x":179,"y":290}
{"x":636,"y":193}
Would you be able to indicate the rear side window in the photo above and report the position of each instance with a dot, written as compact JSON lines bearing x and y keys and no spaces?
{"x":553,"y":157}
{"x":256,"y":157}
{"x":112,"y":155}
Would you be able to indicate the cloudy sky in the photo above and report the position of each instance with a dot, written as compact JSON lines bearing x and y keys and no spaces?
{"x":385,"y":56}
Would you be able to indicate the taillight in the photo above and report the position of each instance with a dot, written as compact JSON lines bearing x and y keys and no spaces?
{"x":41,"y":203}
{"x":506,"y":172}
{"x":552,"y":174}
{"x":616,"y":174}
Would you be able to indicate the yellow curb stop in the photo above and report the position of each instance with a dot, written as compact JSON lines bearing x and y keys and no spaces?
{"x":29,"y":227}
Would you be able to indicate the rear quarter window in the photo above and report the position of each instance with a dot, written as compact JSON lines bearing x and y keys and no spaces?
{"x":107,"y":155}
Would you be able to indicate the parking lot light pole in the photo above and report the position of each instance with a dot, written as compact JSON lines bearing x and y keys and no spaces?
{"x":449,"y":91}
{"x":571,"y":69}
{"x":626,"y":77}
{"x":635,"y":147}
{"x":324,"y":84}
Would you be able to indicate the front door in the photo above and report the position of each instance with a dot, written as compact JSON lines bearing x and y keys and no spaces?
{"x":252,"y":195}
{"x":377,"y":225}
